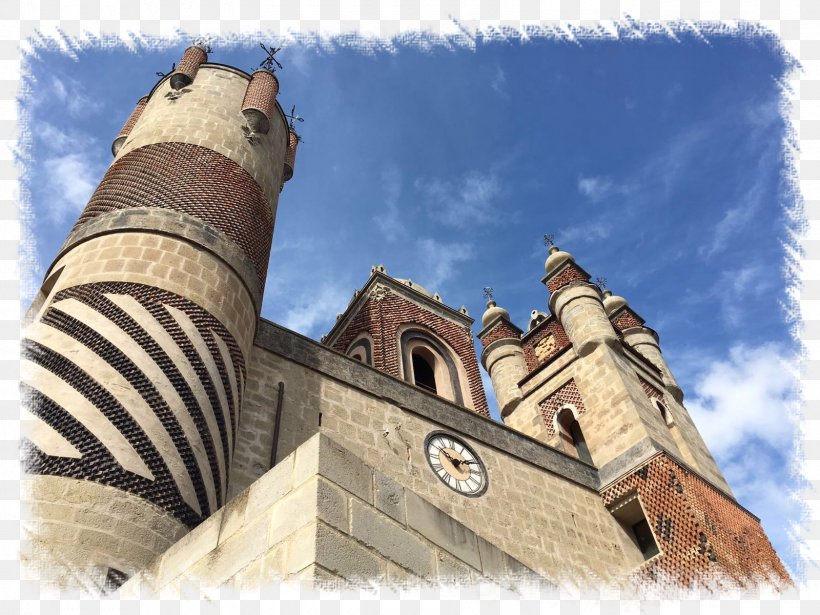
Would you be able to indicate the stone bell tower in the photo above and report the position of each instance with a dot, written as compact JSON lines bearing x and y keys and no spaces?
{"x":134,"y":355}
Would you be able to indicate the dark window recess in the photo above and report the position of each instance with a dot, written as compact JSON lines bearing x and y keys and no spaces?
{"x":423,"y":373}
{"x":646,"y":542}
{"x":579,"y":442}
{"x":113,"y":580}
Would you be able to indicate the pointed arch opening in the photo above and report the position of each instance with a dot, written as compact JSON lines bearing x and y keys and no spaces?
{"x":571,"y":433}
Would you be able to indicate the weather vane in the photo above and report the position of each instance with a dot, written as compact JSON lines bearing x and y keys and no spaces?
{"x":549,"y":240}
{"x":173,"y":68}
{"x":268,"y":62}
{"x":488,"y":293}
{"x":293,"y":117}
{"x":600,"y":282}
{"x":203,"y":44}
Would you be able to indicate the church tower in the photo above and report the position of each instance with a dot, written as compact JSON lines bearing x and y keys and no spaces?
{"x":401,"y":328}
{"x":134,"y":355}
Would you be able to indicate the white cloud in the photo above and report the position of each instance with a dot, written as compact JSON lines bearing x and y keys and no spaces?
{"x":733,"y":221}
{"x":388,"y":220}
{"x":70,"y":94}
{"x":467,"y":200}
{"x":313,"y":312}
{"x":597,"y":189}
{"x":745,"y":398}
{"x":439,"y":260}
{"x":71,"y":182}
{"x":582,"y":234}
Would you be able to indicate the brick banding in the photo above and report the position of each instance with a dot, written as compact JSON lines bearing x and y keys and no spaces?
{"x":290,"y":156}
{"x":188,"y":67}
{"x":501,"y":331}
{"x":703,"y":533}
{"x":96,"y":463}
{"x":259,"y":102}
{"x":129,"y":125}
{"x":193,"y":180}
{"x":626,"y":320}
{"x":570,"y":273}
{"x":651,"y":391}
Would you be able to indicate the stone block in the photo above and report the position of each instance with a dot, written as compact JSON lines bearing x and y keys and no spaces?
{"x":190,"y":549}
{"x":270,"y":488}
{"x":321,"y":455}
{"x":388,"y":497}
{"x":441,"y":529}
{"x":299,"y":508}
{"x":452,"y":571}
{"x":493,"y":560}
{"x":390,"y":539}
{"x":242,"y":548}
{"x":341,"y":555}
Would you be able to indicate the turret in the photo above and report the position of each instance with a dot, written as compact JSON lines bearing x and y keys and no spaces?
{"x":134,"y":363}
{"x":502,"y":357}
{"x":643,"y":339}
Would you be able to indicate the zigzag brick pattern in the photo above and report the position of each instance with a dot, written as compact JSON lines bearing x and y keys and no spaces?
{"x":703,"y":535}
{"x":570,"y":273}
{"x":501,"y":331}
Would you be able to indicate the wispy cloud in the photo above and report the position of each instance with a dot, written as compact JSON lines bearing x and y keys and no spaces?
{"x":461,"y":202}
{"x":388,"y":219}
{"x":582,"y":234}
{"x":734,"y":220}
{"x":597,"y":189}
{"x":313,"y":311}
{"x":69,"y":93}
{"x":499,"y":82}
{"x":440,"y":260}
{"x":744,"y":398}
{"x":71,"y":161}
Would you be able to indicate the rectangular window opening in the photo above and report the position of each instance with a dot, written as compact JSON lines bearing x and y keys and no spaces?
{"x":641,"y":543}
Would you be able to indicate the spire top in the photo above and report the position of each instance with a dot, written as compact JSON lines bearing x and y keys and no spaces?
{"x":269,"y":61}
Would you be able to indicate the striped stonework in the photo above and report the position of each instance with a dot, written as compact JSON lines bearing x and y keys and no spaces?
{"x":136,"y":388}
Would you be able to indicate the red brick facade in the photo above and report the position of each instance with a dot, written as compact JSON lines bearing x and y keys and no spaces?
{"x":133,"y":118}
{"x":502,"y":330}
{"x":383,"y":314}
{"x":627,"y":319}
{"x":261,"y":96}
{"x":566,"y":394}
{"x":704,"y":536}
{"x":191,"y":59}
{"x":193,"y":180}
{"x":570,"y":273}
{"x":651,"y":391}
{"x":551,"y":326}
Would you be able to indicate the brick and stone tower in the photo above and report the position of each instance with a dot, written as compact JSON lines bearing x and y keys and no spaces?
{"x":401,"y":328}
{"x":134,"y":358}
{"x":589,"y":379}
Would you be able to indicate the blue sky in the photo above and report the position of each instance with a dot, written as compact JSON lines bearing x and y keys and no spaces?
{"x":658,"y":164}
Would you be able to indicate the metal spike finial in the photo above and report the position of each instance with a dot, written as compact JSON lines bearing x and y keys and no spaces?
{"x":488,"y":293}
{"x":549,"y":240}
{"x":600,"y":282}
{"x":268,"y":62}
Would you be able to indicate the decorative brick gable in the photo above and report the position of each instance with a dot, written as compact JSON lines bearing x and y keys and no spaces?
{"x":570,"y":273}
{"x":566,"y":394}
{"x":502,"y":330}
{"x":382,"y":315}
{"x":627,"y":319}
{"x":529,"y":345}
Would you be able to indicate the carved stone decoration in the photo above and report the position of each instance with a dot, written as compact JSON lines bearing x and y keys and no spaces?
{"x":545,"y":347}
{"x":379,"y":293}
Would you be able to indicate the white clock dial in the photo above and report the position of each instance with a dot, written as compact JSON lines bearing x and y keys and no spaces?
{"x":455,"y":464}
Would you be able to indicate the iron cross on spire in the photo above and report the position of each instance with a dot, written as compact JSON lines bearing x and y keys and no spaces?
{"x":549,"y":240}
{"x":488,"y":293}
{"x":268,"y":62}
{"x":600,"y":282}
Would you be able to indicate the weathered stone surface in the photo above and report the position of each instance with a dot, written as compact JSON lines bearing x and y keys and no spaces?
{"x":388,"y":497}
{"x":442,"y":529}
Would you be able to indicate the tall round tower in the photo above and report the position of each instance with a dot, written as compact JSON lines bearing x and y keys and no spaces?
{"x":133,"y":360}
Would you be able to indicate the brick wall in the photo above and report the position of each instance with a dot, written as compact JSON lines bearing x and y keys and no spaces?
{"x":551,"y":326}
{"x":704,"y":536}
{"x":383,"y":314}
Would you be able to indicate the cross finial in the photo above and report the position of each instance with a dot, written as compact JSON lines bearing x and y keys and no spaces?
{"x":549,"y":240}
{"x":268,"y":62}
{"x":488,"y":293}
{"x":293,"y":117}
{"x":600,"y":282}
{"x":202,"y":43}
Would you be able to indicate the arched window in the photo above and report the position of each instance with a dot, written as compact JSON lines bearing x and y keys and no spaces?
{"x":571,"y":432}
{"x":361,"y":350}
{"x":424,"y":373}
{"x":665,"y":414}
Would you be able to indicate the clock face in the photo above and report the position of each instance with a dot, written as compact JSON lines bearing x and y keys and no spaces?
{"x":455,"y":464}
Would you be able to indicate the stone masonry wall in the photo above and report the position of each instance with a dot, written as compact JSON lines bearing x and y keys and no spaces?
{"x":321,"y":515}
